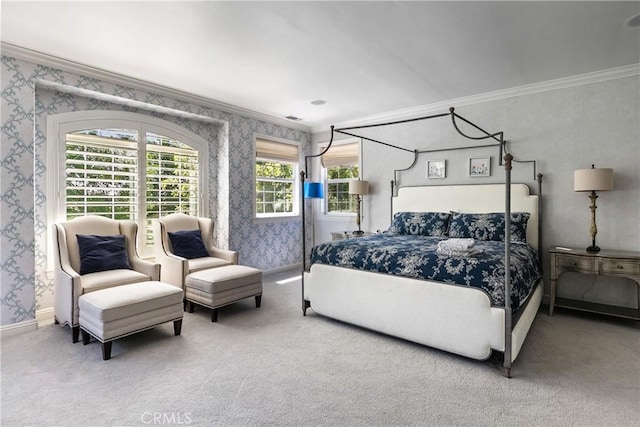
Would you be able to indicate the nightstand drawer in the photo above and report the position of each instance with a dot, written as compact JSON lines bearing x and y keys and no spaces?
{"x":569,"y":261}
{"x":619,"y":267}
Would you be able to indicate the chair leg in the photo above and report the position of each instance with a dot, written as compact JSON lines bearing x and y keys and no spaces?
{"x":75,"y":333}
{"x":85,"y":337}
{"x":177,"y":327}
{"x":214,"y":315}
{"x":185,"y":304}
{"x":106,"y":350}
{"x":258,"y":300}
{"x":56,"y":321}
{"x":192,"y":307}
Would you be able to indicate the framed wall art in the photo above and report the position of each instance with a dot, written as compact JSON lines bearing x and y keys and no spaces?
{"x":436,"y":168}
{"x":480,"y":166}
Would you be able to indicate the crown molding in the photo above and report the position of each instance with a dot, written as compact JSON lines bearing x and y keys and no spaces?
{"x":40,"y":58}
{"x":36,"y":57}
{"x":424,"y":110}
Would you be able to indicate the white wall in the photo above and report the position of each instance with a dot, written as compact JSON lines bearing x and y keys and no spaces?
{"x":564,"y":130}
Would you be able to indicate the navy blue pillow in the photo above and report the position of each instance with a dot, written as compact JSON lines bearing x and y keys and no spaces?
{"x":188,"y":244}
{"x":102,"y":253}
{"x":489,"y":226}
{"x":420,"y":223}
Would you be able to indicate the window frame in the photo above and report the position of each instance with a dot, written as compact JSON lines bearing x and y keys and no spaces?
{"x":270,"y":217}
{"x":326,"y":182}
{"x":59,"y":125}
{"x":325,"y":177}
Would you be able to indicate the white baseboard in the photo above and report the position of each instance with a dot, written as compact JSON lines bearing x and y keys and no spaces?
{"x":44,"y":316}
{"x":18,"y":328}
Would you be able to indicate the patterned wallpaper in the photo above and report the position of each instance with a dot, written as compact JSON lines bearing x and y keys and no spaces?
{"x":26,"y":104}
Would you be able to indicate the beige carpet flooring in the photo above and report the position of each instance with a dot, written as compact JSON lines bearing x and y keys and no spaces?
{"x":272,"y":366}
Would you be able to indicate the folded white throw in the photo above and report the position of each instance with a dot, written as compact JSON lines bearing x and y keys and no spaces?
{"x":456,"y":244}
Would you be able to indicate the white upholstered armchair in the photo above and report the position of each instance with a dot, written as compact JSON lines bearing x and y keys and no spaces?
{"x":71,"y":281}
{"x":175,"y":267}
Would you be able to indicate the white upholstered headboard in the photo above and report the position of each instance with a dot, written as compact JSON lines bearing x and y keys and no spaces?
{"x":481,"y":198}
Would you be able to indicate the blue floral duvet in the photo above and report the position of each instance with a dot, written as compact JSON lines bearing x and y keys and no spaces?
{"x":415,"y":256}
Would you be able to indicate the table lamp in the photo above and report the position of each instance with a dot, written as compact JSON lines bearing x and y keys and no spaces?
{"x":594,"y":179}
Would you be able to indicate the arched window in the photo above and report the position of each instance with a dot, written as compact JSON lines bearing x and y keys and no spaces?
{"x":124,"y":166}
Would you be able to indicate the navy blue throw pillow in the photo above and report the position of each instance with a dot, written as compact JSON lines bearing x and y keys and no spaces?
{"x":188,"y":244}
{"x":489,"y":226}
{"x":420,"y":223}
{"x":102,"y":253}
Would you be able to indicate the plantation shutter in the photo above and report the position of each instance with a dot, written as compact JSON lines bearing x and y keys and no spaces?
{"x":172,"y":183}
{"x":276,"y":151}
{"x":101,"y":176}
{"x":341,"y":155}
{"x":172,"y":177}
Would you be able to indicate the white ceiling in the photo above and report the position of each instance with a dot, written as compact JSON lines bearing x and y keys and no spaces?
{"x":363,"y":58}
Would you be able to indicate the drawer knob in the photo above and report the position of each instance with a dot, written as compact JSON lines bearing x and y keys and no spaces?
{"x":619,"y":267}
{"x":574,"y":263}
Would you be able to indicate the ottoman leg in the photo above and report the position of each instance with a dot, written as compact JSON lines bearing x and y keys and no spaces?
{"x":85,"y":337}
{"x":258,"y":300}
{"x":177,"y":326}
{"x":214,"y":315}
{"x":106,"y":350}
{"x":75,"y":333}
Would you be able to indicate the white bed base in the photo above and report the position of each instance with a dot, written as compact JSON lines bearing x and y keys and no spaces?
{"x":457,"y":319}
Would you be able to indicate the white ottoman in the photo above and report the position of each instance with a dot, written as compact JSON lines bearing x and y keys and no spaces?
{"x":220,"y":286}
{"x":116,"y":312}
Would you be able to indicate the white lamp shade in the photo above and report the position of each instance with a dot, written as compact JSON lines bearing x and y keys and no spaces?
{"x":594,"y":179}
{"x":358,"y":187}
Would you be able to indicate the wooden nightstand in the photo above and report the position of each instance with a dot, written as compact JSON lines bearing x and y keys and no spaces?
{"x":339,"y":235}
{"x":605,"y":263}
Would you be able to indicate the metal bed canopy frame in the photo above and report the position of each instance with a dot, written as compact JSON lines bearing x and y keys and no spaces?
{"x":505,"y":158}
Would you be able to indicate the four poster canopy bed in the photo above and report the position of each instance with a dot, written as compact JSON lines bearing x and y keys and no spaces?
{"x":458,"y":269}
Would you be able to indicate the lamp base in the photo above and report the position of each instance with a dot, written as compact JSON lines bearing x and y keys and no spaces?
{"x":593,"y":249}
{"x":360,"y":233}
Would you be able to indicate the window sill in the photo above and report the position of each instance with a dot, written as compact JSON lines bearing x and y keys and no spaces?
{"x":271,"y":219}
